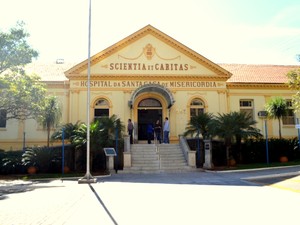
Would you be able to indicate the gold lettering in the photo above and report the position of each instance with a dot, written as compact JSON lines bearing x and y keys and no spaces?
{"x":186,"y":66}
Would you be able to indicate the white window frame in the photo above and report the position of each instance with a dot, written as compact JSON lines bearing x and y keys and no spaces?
{"x":101,"y":106}
{"x":290,"y":118}
{"x":248,"y":108}
{"x":198,"y":108}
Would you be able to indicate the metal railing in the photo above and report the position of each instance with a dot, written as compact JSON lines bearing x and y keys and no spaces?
{"x":157,"y":150}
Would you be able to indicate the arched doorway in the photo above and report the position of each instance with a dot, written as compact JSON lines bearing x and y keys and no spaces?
{"x":149,"y":103}
{"x":149,"y":111}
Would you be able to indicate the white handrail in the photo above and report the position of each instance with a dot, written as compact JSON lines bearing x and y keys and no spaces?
{"x":157,"y":150}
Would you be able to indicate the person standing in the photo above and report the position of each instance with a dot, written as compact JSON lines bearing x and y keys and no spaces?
{"x":130,"y":130}
{"x":166,"y":131}
{"x":149,"y":132}
{"x":157,"y":130}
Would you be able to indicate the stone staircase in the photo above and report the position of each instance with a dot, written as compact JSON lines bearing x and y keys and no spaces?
{"x":149,"y":158}
{"x":172,"y":158}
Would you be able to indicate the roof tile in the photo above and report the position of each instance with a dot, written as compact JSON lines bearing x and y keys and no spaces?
{"x":247,"y":73}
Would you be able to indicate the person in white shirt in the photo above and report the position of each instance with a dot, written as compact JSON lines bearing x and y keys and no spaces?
{"x":166,"y":131}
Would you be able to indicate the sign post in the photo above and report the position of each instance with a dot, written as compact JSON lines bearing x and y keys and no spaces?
{"x":263,"y":115}
{"x":298,"y":128}
{"x":110,"y":154}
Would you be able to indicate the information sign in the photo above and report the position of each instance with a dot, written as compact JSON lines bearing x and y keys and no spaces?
{"x":109,"y":151}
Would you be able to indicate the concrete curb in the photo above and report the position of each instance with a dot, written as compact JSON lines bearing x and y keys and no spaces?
{"x":272,"y":176}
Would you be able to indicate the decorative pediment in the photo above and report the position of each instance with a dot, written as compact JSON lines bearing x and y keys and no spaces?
{"x":149,"y":52}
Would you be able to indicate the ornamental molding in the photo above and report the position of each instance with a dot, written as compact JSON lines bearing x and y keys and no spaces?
{"x":256,"y":86}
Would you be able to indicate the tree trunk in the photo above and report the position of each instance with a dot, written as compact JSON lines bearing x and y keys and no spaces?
{"x":48,"y":136}
{"x":279,"y":124}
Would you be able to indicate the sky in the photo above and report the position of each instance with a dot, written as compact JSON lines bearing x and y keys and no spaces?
{"x":223,"y":31}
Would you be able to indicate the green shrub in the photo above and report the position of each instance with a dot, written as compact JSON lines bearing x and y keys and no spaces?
{"x":252,"y":150}
{"x":46,"y":160}
{"x":11,"y":162}
{"x":255,"y":151}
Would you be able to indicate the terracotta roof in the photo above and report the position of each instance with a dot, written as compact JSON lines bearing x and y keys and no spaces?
{"x":244,"y":73}
{"x":49,"y":71}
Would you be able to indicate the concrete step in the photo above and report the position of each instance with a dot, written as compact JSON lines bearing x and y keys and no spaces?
{"x":145,"y":163}
{"x":177,"y":162}
{"x":146,"y":158}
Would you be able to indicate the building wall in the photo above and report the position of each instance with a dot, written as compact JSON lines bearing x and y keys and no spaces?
{"x":216,"y":101}
{"x":148,"y":57}
{"x":260,"y":98}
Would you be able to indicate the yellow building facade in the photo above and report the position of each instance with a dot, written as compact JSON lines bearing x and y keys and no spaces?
{"x":149,"y":76}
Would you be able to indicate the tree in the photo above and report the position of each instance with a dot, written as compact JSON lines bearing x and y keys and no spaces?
{"x":15,"y":52}
{"x":102,"y":134}
{"x":21,"y":96}
{"x":69,"y":131}
{"x":277,"y":108}
{"x":200,"y":124}
{"x":50,"y":115}
{"x":244,"y":129}
{"x":234,"y":126}
{"x":294,"y":83}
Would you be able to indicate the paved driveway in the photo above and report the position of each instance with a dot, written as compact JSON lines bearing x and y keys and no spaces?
{"x":181,"y":198}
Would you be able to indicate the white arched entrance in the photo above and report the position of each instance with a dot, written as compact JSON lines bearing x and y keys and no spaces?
{"x":149,"y":103}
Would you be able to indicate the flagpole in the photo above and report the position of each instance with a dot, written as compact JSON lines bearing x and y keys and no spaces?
{"x":88,"y":178}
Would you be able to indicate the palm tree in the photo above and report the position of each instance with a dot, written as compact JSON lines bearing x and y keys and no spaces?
{"x":234,"y":126}
{"x":200,"y":124}
{"x":102,"y":134}
{"x":244,"y":128}
{"x":50,"y":115}
{"x":68,"y":129}
{"x":277,"y":108}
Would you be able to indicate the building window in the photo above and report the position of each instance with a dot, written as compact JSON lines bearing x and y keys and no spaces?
{"x":149,"y":102}
{"x":247,"y":107}
{"x":2,"y":118}
{"x":101,"y":109}
{"x":196,"y":107}
{"x":289,"y":118}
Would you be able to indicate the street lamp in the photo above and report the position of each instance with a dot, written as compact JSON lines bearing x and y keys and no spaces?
{"x":88,"y":178}
{"x":263,"y":115}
